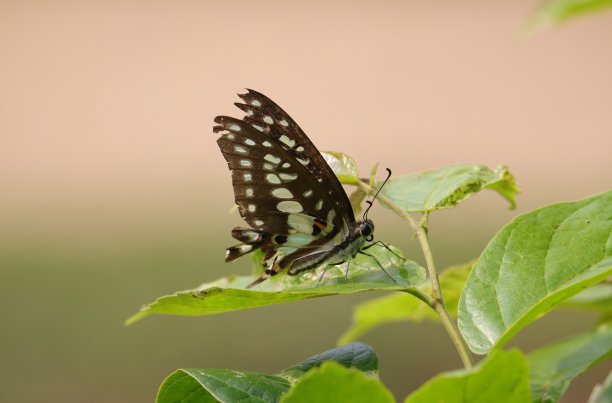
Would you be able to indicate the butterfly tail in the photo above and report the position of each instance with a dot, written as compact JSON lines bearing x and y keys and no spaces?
{"x":260,"y":279}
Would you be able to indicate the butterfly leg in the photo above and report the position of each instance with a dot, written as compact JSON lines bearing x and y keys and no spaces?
{"x":385,"y":246}
{"x":347,"y":270}
{"x":378,"y":263}
{"x":325,"y":270}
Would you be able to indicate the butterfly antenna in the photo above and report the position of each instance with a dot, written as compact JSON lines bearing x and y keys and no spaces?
{"x":370,"y":202}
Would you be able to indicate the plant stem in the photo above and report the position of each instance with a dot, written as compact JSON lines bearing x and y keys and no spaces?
{"x":436,"y":300}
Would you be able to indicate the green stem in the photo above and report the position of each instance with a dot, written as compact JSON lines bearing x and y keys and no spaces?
{"x":436,"y":300}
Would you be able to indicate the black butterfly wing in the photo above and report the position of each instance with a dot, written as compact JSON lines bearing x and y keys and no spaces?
{"x":263,"y":113}
{"x":283,"y":187}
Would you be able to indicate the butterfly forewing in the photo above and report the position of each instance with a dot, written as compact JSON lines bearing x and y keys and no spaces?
{"x":262,"y":112}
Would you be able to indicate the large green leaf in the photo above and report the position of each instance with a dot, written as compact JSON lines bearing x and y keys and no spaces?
{"x":402,"y":307}
{"x":229,"y":294}
{"x":335,"y":383}
{"x":553,"y":367}
{"x":553,"y":12}
{"x":447,"y":187}
{"x":502,"y":378}
{"x":224,"y":385}
{"x":533,"y":264}
{"x":602,"y":393}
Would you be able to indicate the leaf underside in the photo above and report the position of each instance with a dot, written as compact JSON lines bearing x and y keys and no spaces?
{"x":447,"y":187}
{"x":228,"y":294}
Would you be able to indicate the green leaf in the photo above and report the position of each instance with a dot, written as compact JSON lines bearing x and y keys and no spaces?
{"x":536,"y":262}
{"x":596,"y":298}
{"x":224,"y":385}
{"x":354,"y":355}
{"x":602,"y":393}
{"x":447,"y":187}
{"x":553,"y":367}
{"x":502,"y":378}
{"x":221,"y":385}
{"x":405,"y":307}
{"x":553,"y":12}
{"x":334,"y":383}
{"x":343,"y":165}
{"x":229,"y":294}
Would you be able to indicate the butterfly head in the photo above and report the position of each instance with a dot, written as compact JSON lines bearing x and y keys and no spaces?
{"x":366,"y":229}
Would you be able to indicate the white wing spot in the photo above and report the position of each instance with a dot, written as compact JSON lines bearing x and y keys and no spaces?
{"x":307,"y":193}
{"x":267,"y":144}
{"x":230,"y":136}
{"x":245,"y":248}
{"x":288,"y":177}
{"x":246,"y":163}
{"x":271,"y":178}
{"x":249,"y":192}
{"x":286,"y":165}
{"x":284,"y":123}
{"x":240,"y":149}
{"x":282,"y":193}
{"x":299,"y":149}
{"x":330,"y":220}
{"x":261,"y":129}
{"x":272,"y":159}
{"x":259,"y":223}
{"x":255,"y":103}
{"x":234,"y":127}
{"x":249,"y":142}
{"x":247,"y":177}
{"x":289,"y":206}
{"x":286,"y":140}
{"x":319,"y":205}
{"x":252,"y":208}
{"x":249,"y":112}
{"x":227,"y":253}
{"x":303,"y":161}
{"x":268,"y":120}
{"x":252,"y":236}
{"x":268,"y":167}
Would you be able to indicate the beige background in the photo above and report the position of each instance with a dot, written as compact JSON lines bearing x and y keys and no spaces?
{"x":114,"y":191}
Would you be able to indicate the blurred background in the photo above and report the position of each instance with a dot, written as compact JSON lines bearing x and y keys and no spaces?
{"x":113,"y":191}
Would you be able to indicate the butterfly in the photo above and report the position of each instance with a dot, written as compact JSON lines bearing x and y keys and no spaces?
{"x":299,"y":214}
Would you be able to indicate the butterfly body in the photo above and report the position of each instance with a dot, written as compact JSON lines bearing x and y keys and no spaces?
{"x":298,"y":212}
